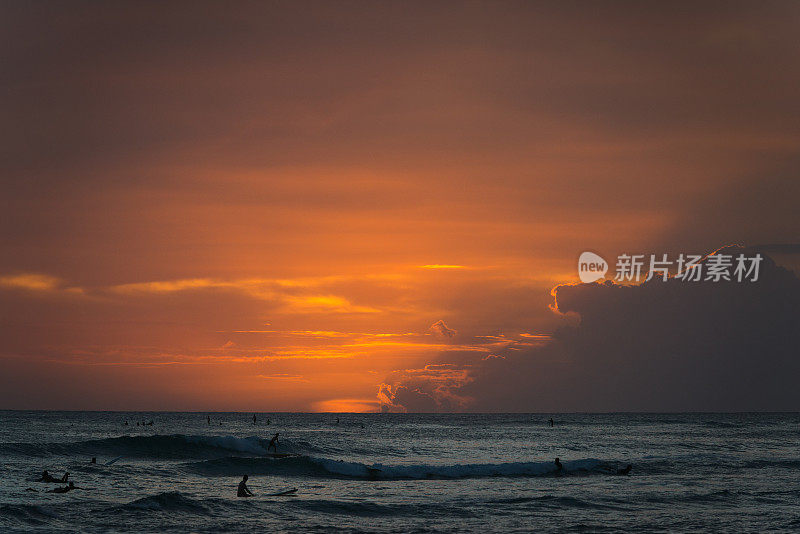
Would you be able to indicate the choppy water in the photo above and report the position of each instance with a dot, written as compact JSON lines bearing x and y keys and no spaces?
{"x":403,"y":472}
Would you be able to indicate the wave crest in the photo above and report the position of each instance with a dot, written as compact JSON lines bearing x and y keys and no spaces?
{"x":325,"y":467}
{"x":175,"y":446}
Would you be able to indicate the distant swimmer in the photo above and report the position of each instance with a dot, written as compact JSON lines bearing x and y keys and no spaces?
{"x":208,"y":418}
{"x":243,"y":490}
{"x":64,"y":489}
{"x":93,"y":460}
{"x":625,"y":471}
{"x":268,"y":421}
{"x":254,"y":418}
{"x":273,"y":443}
{"x":47,"y":477}
{"x":337,"y":420}
{"x":559,"y":467}
{"x":552,"y":423}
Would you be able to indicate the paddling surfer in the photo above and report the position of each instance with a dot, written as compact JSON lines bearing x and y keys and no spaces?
{"x":47,"y":477}
{"x":64,"y":489}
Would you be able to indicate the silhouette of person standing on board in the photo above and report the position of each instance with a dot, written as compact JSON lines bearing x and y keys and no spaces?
{"x":273,"y":443}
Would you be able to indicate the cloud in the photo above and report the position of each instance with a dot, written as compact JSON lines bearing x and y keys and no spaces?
{"x":30,"y":281}
{"x":279,"y":290}
{"x":284,"y":377}
{"x":433,"y":388}
{"x":440,"y":328}
{"x":656,"y":346}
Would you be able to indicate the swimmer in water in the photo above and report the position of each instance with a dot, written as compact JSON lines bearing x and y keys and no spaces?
{"x":47,"y":477}
{"x":559,"y":467}
{"x":273,"y":443}
{"x":64,"y":489}
{"x":243,"y":489}
{"x":625,"y":471}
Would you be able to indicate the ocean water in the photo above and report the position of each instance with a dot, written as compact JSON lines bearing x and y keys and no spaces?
{"x":402,"y":472}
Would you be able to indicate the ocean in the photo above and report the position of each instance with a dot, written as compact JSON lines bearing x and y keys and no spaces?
{"x":401,"y":472}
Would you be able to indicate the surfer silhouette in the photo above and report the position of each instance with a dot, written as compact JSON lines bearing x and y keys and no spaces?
{"x":47,"y":477}
{"x":64,"y":489}
{"x":243,"y":491}
{"x":254,"y":418}
{"x":273,"y":443}
{"x":552,"y":423}
{"x":208,"y":418}
{"x":559,"y":467}
{"x":625,"y":471}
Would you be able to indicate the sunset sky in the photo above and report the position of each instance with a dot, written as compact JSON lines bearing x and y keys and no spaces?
{"x":334,"y":206}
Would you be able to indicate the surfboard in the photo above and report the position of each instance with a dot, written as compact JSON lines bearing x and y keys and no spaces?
{"x":281,"y":455}
{"x":113,"y":460}
{"x":286,"y":492}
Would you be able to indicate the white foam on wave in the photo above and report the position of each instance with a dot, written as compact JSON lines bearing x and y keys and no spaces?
{"x":354,"y":469}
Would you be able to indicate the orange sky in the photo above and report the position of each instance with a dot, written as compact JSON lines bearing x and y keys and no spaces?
{"x":266,"y":207}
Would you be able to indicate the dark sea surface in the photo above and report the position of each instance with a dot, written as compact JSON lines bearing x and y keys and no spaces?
{"x":402,"y":472}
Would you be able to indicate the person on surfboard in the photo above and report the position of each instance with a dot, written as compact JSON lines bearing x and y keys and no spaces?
{"x":559,"y":467}
{"x":273,"y":443}
{"x":243,"y":490}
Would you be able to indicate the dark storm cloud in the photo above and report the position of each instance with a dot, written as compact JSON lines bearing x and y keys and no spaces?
{"x":658,"y":346}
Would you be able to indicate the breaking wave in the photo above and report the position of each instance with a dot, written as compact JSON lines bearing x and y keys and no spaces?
{"x":174,"y":446}
{"x":324,"y":467}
